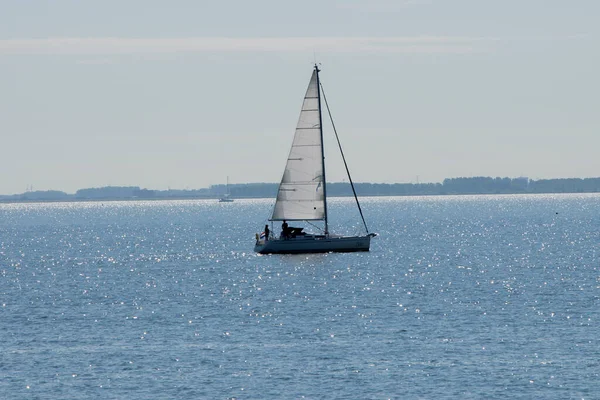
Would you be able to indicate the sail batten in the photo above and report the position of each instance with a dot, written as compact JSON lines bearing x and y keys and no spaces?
{"x":300,"y":195}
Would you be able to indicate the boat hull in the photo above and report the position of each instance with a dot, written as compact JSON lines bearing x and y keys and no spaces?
{"x":314,"y":244}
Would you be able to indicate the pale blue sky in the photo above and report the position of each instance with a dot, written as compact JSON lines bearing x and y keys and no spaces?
{"x":184,"y":93}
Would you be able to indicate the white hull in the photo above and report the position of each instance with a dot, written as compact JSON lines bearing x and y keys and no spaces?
{"x":314,"y":244}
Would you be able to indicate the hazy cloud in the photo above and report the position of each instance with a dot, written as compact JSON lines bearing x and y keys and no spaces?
{"x":381,"y":5}
{"x":95,"y":61}
{"x":114,"y":45}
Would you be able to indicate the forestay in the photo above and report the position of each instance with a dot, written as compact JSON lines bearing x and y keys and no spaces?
{"x":301,"y":192}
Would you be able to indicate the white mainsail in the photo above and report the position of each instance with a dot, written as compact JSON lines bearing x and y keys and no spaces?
{"x":301,"y":192}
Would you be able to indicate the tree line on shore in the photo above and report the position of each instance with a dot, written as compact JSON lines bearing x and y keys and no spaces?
{"x":450,"y":186}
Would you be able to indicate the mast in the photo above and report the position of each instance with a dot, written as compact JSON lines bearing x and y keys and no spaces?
{"x":322,"y":151}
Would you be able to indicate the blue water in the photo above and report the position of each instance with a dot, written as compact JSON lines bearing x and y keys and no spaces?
{"x":460,"y":297}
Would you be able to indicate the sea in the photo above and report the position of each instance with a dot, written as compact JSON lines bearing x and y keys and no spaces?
{"x":460,"y":297}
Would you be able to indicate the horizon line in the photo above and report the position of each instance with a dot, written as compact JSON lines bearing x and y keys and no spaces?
{"x":277,"y":183}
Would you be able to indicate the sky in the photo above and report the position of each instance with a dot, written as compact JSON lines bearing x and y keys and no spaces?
{"x":183,"y":94}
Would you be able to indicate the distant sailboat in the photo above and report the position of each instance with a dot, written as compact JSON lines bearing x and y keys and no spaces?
{"x":226,"y":197}
{"x":302,"y":194}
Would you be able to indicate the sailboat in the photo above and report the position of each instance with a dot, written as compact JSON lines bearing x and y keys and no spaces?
{"x":226,"y":197}
{"x":302,"y":194}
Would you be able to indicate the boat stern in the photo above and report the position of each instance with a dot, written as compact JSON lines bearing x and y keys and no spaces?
{"x":261,"y":247}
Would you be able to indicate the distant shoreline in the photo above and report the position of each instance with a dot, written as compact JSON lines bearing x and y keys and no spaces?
{"x":450,"y":186}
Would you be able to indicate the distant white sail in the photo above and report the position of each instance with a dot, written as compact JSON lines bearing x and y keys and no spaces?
{"x":300,"y":195}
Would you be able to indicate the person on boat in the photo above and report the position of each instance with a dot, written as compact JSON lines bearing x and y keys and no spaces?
{"x":266,"y":232}
{"x":284,"y":229}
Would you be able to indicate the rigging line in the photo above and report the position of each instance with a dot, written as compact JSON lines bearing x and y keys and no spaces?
{"x":314,"y":226}
{"x":344,"y":158}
